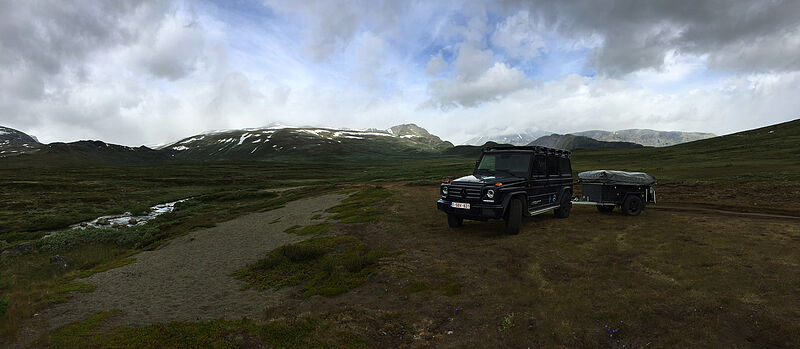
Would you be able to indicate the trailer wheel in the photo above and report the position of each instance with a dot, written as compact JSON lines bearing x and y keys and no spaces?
{"x":454,"y":221}
{"x":514,"y":218}
{"x":605,"y":208}
{"x":633,"y":205}
{"x":563,"y":210}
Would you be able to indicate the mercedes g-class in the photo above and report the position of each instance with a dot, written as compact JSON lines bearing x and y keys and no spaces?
{"x":509,"y":183}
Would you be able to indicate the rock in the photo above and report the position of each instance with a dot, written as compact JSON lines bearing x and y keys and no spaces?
{"x":84,"y":224}
{"x":61,"y":261}
{"x":132,"y":221}
{"x":103,"y":221}
{"x":117,"y":225}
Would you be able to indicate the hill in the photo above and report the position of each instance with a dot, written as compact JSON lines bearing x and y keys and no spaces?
{"x":765,"y":154}
{"x":13,"y":142}
{"x":86,"y":153}
{"x":646,"y":137}
{"x":571,"y":142}
{"x":280,"y":141}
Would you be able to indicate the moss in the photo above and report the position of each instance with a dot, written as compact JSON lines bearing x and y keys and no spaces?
{"x":323,"y":266}
{"x":301,"y":332}
{"x":366,"y":205}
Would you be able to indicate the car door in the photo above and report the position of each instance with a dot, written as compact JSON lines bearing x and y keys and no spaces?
{"x":553,"y":180}
{"x":537,"y":192}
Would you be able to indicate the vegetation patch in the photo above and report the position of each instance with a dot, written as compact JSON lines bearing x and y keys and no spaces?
{"x":366,"y":205}
{"x":301,"y":332}
{"x":314,"y":229}
{"x":131,"y":238}
{"x":323,"y":266}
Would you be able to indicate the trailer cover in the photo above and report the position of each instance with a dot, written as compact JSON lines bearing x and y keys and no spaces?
{"x":616,"y":177}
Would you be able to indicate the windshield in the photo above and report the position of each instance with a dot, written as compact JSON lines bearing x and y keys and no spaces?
{"x":504,"y":165}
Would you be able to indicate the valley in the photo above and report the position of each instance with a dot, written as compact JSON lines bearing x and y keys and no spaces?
{"x":378,"y":266}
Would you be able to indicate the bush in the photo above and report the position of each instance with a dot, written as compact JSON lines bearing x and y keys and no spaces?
{"x":131,"y":237}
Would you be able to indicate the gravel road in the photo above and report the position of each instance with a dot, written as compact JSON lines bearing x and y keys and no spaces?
{"x":189,"y":279}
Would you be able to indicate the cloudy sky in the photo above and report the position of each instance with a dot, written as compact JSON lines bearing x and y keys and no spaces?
{"x":147,"y":72}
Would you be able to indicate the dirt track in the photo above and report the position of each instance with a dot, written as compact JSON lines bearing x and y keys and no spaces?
{"x":719,"y":211}
{"x":189,"y":279}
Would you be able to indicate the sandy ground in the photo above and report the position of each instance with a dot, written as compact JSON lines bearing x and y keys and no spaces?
{"x":188,"y":279}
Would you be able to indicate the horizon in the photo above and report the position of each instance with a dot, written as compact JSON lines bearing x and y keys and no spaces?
{"x":153,"y":72}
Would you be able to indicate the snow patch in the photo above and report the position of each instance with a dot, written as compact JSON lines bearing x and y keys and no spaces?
{"x":243,"y":137}
{"x":193,"y":139}
{"x":180,"y":148}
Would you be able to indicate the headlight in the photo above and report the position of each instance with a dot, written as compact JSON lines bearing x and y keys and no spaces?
{"x":444,"y":191}
{"x":490,"y":193}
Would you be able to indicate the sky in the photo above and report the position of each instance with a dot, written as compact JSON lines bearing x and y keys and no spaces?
{"x":136,"y":72}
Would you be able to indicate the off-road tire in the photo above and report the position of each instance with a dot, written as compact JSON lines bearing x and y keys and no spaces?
{"x":633,"y":205}
{"x":514,"y":218}
{"x":563,"y":210}
{"x":454,"y":221}
{"x":605,"y":208}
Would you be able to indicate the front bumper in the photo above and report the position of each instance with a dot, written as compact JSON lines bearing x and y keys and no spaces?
{"x":476,"y":211}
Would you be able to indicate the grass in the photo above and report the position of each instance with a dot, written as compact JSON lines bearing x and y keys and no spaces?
{"x":668,"y":279}
{"x":301,"y":332}
{"x":365,"y":205}
{"x":321,"y":266}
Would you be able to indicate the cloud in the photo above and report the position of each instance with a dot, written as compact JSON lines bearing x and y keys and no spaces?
{"x":638,"y":34}
{"x":435,"y":65}
{"x":519,"y":36}
{"x":470,"y":91}
{"x":172,"y":51}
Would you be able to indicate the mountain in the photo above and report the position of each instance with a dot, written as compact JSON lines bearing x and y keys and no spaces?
{"x":276,"y":141}
{"x":646,"y":137}
{"x":570,"y":142}
{"x":520,"y":138}
{"x":13,"y":142}
{"x":83,"y":153}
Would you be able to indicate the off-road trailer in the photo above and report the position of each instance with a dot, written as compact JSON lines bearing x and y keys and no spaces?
{"x":606,"y":189}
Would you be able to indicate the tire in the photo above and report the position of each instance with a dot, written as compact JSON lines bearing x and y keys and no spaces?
{"x":514,"y":219}
{"x":563,"y":210}
{"x":605,"y":208}
{"x":633,"y":205}
{"x":454,"y":221}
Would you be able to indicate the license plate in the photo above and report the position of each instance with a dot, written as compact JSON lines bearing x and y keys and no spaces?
{"x":459,"y":205}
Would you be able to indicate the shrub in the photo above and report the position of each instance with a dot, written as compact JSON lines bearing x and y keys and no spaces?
{"x":130,"y":237}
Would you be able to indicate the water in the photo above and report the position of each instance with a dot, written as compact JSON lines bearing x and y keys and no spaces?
{"x":126,"y":219}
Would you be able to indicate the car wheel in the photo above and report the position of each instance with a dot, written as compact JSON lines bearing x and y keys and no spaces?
{"x":633,"y":205}
{"x":454,"y":221}
{"x":563,"y":210}
{"x":514,"y":219}
{"x":605,"y":208}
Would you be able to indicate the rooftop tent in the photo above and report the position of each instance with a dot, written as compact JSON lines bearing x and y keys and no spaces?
{"x":616,"y":177}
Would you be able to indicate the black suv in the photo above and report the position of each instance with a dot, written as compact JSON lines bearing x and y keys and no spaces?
{"x":509,"y":182}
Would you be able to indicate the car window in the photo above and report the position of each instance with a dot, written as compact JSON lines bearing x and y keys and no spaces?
{"x":539,"y":166}
{"x":504,"y":164}
{"x":564,"y":166}
{"x":552,"y":166}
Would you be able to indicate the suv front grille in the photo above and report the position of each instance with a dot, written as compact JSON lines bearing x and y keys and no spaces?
{"x":458,"y":192}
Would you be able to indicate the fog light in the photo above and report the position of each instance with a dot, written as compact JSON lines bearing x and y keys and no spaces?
{"x":490,"y":193}
{"x":444,"y":191}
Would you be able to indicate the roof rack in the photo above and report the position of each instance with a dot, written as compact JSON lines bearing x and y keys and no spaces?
{"x":535,"y":148}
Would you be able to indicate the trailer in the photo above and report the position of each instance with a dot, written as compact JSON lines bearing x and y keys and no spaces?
{"x":607,"y":189}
